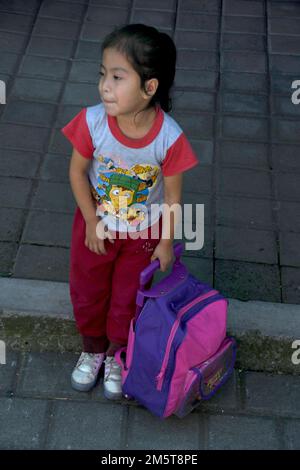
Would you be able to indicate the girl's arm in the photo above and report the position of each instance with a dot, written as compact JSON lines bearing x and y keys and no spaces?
{"x":95,"y":229}
{"x":172,"y":197}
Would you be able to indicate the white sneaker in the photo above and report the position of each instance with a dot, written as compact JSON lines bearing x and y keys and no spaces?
{"x":112,"y":379}
{"x":85,"y":374}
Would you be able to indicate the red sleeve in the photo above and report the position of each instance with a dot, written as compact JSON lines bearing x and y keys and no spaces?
{"x":77,"y":132}
{"x":179,"y":158}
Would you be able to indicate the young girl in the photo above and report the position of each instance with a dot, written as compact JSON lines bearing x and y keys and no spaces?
{"x":128,"y":159}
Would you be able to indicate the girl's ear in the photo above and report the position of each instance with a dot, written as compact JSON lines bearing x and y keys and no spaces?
{"x":151,"y":87}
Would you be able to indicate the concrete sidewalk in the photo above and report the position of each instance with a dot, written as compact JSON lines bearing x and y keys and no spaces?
{"x":237,"y":60}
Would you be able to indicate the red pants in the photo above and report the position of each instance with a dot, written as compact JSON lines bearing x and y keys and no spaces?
{"x":103,"y":288}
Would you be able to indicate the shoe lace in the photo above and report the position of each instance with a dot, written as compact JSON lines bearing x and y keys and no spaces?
{"x":90,"y":360}
{"x":112,"y":369}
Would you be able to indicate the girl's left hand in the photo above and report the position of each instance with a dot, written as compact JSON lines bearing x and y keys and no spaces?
{"x":164,"y":252}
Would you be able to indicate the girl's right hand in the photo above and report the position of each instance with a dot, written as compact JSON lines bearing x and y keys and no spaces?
{"x":95,"y":236}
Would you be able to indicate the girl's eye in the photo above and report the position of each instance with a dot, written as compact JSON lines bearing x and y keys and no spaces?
{"x":101,"y":74}
{"x":117,"y":78}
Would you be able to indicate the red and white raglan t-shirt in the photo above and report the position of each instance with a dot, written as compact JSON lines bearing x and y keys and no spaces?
{"x":126,"y":175}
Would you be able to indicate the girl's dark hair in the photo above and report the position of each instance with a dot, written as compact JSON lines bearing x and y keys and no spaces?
{"x":151,"y":53}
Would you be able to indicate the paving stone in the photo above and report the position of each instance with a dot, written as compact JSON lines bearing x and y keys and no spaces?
{"x":8,"y":253}
{"x":236,"y":7}
{"x":28,"y":7}
{"x":284,"y":9}
{"x":51,"y":47}
{"x":283,"y":63}
{"x":82,"y":94}
{"x":16,"y":163}
{"x":286,"y":214}
{"x":200,"y":267}
{"x":55,"y":168}
{"x":8,"y":371}
{"x":285,"y":130}
{"x":210,"y":6}
{"x":199,"y":22}
{"x":194,"y":101}
{"x":194,"y":250}
{"x":44,"y":67}
{"x":282,"y":105}
{"x":91,"y":32}
{"x":54,"y":196}
{"x":199,"y":179}
{"x":244,"y":128}
{"x":243,"y":244}
{"x":155,"y":4}
{"x":61,"y":10}
{"x":244,"y":182}
{"x":38,"y":89}
{"x":196,"y":79}
{"x":244,"y":82}
{"x":71,"y":430}
{"x":225,"y":399}
{"x":192,"y":199}
{"x":283,"y":25}
{"x":8,"y":62}
{"x":31,"y":418}
{"x":198,"y":40}
{"x":88,"y":50}
{"x":45,"y":263}
{"x":290,"y":285}
{"x":292,"y":432}
{"x":11,"y":42}
{"x":56,"y":28}
{"x":54,"y":376}
{"x":65,"y":114}
{"x":241,"y":62}
{"x":24,"y":137}
{"x":48,"y":228}
{"x":244,"y":104}
{"x":198,"y":126}
{"x":194,"y":59}
{"x":204,"y":150}
{"x":15,"y":23}
{"x":285,"y":157}
{"x":244,"y":212}
{"x":59,"y":144}
{"x":147,"y":432}
{"x":243,"y":24}
{"x":116,"y":3}
{"x":247,"y":281}
{"x":248,"y":154}
{"x":287,"y":186}
{"x":247,"y":42}
{"x":242,"y":433}
{"x":15,"y":192}
{"x":272,"y":394}
{"x":284,"y":44}
{"x":11,"y":224}
{"x":110,"y":16}
{"x":29,"y":112}
{"x":282,"y":83}
{"x":83,"y":71}
{"x":158,"y":19}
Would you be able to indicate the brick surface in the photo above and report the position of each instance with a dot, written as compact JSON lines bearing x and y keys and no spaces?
{"x":243,"y":82}
{"x":8,"y":372}
{"x":290,"y":285}
{"x":44,"y":67}
{"x":11,"y":224}
{"x":198,"y":40}
{"x":292,"y":433}
{"x":244,"y":182}
{"x":31,"y":418}
{"x":51,"y":47}
{"x":283,"y":25}
{"x":244,"y":212}
{"x":244,"y":128}
{"x":242,"y":103}
{"x":8,"y":253}
{"x":273,"y":394}
{"x":15,"y":192}
{"x":289,"y":254}
{"x":12,"y":42}
{"x":56,"y":28}
{"x":55,"y":168}
{"x":42,"y":262}
{"x":93,"y":426}
{"x":61,"y":10}
{"x":29,"y":88}
{"x":244,"y":24}
{"x":29,"y":112}
{"x":250,"y":154}
{"x":245,"y":281}
{"x":200,"y":22}
{"x":16,"y":163}
{"x":256,"y":246}
{"x":24,"y":137}
{"x":48,"y":228}
{"x":54,"y":196}
{"x":286,"y":156}
{"x":146,"y":432}
{"x":286,"y":213}
{"x":242,"y":433}
{"x":196,"y":79}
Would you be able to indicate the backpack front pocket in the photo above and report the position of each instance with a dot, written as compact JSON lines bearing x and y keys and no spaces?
{"x":203,"y":380}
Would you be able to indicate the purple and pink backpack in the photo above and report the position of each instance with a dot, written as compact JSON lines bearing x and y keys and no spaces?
{"x":178,"y":353}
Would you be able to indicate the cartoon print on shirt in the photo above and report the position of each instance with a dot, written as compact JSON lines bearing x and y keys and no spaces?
{"x":122,"y":191}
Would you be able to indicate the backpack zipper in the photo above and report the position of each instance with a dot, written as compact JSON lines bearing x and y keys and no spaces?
{"x":182,"y":311}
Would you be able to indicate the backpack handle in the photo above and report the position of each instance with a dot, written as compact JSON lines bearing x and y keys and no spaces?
{"x":178,"y":274}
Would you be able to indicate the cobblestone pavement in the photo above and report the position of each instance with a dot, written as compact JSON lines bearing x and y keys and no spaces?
{"x":41,"y":411}
{"x":237,"y":60}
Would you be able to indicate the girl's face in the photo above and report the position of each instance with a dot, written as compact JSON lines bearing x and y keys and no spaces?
{"x":120,"y":85}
